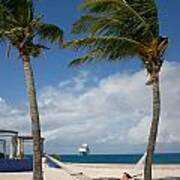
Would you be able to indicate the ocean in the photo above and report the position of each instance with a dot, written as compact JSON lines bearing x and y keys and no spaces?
{"x":168,"y":158}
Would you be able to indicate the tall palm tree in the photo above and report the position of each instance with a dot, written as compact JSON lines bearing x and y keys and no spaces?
{"x":117,"y":29}
{"x":27,"y":32}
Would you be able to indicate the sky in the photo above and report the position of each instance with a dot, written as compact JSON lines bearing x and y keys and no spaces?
{"x":105,"y":105}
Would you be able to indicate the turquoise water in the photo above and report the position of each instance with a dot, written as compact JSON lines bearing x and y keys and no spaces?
{"x":124,"y":159}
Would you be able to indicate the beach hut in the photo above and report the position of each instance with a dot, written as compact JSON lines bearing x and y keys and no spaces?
{"x":12,"y":152}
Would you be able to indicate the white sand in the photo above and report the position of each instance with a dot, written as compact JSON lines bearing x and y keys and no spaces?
{"x":96,"y":171}
{"x":116,"y":170}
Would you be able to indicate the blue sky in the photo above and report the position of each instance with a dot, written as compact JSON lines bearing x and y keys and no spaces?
{"x":52,"y":73}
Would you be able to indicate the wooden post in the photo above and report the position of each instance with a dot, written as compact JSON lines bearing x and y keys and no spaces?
{"x":14,"y":147}
{"x":4,"y":149}
{"x":20,"y":148}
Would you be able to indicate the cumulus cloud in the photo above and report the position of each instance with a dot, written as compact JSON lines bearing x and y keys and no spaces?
{"x":107,"y":114}
{"x":13,"y":118}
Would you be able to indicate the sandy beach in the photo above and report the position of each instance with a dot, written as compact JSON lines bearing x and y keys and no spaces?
{"x":95,"y":171}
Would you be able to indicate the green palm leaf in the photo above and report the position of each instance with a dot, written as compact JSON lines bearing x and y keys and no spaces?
{"x":22,"y":27}
{"x":106,"y":47}
{"x":125,"y":9}
{"x":121,"y":28}
{"x":50,"y":32}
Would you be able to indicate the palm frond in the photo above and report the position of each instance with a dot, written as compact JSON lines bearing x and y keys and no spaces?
{"x":95,"y":24}
{"x":116,"y":28}
{"x":97,"y":54}
{"x":105,"y":47}
{"x":103,"y":40}
{"x":130,"y":14}
{"x":23,"y":29}
{"x":81,"y":60}
{"x":21,"y":10}
{"x":50,"y":32}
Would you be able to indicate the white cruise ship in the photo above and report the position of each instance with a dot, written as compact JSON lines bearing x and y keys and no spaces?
{"x":84,"y":149}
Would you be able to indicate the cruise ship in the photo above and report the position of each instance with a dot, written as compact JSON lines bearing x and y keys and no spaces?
{"x":84,"y":149}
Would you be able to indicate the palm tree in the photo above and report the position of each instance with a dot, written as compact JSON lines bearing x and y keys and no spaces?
{"x":27,"y":32}
{"x":117,"y":29}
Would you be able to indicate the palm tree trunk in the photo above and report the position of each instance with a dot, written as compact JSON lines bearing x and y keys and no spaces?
{"x":36,"y":132}
{"x":153,"y":131}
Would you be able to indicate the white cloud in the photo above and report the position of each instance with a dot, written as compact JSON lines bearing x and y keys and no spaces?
{"x":114,"y":112}
{"x":12,"y":118}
